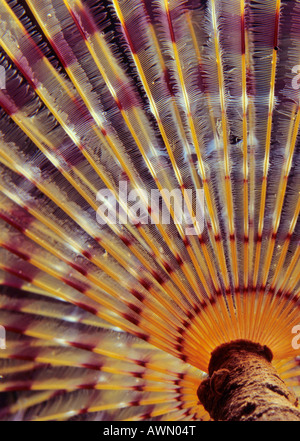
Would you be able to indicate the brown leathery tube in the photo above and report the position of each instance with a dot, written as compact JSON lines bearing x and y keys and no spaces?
{"x":244,"y":386}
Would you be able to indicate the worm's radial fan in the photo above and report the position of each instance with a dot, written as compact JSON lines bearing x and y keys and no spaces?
{"x":149,"y":200}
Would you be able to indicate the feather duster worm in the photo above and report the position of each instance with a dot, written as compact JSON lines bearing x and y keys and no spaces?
{"x":108,"y":311}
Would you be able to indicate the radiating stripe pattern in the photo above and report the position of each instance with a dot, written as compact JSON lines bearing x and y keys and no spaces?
{"x":116,"y":319}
